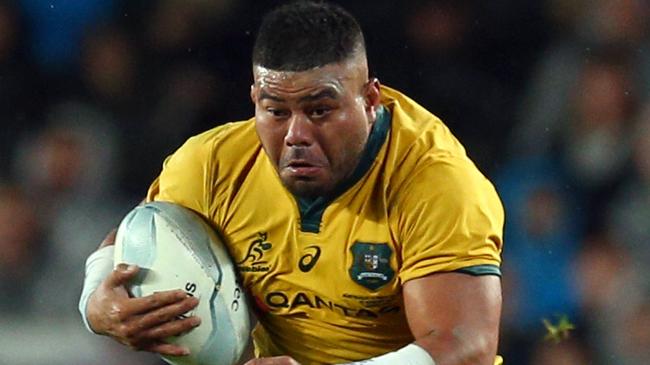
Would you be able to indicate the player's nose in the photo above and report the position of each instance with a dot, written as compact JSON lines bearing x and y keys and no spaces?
{"x":300,"y":131}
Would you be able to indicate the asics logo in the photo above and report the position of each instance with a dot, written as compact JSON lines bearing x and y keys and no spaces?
{"x":308,"y":260}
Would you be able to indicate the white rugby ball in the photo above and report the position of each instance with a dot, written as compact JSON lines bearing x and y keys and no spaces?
{"x":176,"y":249}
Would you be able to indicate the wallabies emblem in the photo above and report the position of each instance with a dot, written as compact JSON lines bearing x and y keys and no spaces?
{"x":255,"y":253}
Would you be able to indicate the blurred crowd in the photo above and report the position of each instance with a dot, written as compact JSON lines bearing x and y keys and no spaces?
{"x":550,"y":97}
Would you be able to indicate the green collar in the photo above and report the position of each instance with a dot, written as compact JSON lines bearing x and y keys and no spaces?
{"x":311,"y":210}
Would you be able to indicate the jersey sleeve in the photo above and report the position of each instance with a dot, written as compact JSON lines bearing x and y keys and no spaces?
{"x":185,"y":177}
{"x":451,"y":219}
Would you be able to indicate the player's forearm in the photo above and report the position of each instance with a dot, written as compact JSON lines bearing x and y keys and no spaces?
{"x":411,"y":354}
{"x":98,"y":266}
{"x":431,"y":350}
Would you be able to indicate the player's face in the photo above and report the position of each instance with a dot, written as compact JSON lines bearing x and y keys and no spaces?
{"x":314,"y":124}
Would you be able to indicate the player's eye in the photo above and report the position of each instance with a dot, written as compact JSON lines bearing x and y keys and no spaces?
{"x":319,"y":112}
{"x":277,"y":113}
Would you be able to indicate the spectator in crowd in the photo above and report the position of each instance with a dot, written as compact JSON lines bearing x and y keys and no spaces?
{"x":630,"y":209}
{"x":447,"y":77}
{"x":544,"y":229}
{"x":56,"y":32}
{"x":594,"y":25}
{"x":595,"y":140}
{"x":22,"y":250}
{"x":69,"y":169}
{"x":607,"y":287}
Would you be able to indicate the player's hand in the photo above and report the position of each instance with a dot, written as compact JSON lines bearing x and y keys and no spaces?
{"x":140,"y":323}
{"x":277,"y":360}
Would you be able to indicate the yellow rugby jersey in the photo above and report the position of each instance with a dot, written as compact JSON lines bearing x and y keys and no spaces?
{"x":326,"y":275}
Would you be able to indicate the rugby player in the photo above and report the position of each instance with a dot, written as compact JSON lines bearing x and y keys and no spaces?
{"x":360,"y":227}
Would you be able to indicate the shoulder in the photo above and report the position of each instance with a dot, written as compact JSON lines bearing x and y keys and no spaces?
{"x":426,"y":165}
{"x":422,"y":148}
{"x":234,"y":135}
{"x":415,"y":131}
{"x":219,"y":149}
{"x":217,"y":145}
{"x":198,"y":171}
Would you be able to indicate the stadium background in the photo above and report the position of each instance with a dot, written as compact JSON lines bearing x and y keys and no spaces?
{"x":550,"y":97}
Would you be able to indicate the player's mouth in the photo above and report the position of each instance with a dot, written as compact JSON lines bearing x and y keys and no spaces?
{"x":302,"y":168}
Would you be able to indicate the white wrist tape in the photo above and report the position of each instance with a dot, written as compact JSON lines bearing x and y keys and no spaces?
{"x":98,"y":266}
{"x":410,"y":354}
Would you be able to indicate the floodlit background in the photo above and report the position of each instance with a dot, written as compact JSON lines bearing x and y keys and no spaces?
{"x":550,"y":97}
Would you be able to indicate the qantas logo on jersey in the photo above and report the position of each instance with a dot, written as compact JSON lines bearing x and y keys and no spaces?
{"x":280,"y":301}
{"x":254,"y":260}
{"x":371,"y":264}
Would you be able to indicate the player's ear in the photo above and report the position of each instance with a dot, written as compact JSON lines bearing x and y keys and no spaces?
{"x":253,"y":93}
{"x":372,"y":97}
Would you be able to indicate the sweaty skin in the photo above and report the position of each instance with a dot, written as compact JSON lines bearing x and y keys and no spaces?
{"x":314,"y":124}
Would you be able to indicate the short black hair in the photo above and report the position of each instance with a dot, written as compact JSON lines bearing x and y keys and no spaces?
{"x":302,"y":35}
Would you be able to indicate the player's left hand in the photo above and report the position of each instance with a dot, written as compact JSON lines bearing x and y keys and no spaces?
{"x":276,"y":360}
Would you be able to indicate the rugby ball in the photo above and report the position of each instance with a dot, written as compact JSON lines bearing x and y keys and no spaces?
{"x":176,"y":249}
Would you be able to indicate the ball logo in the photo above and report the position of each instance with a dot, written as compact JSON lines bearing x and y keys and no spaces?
{"x":308,"y":260}
{"x":234,"y":306}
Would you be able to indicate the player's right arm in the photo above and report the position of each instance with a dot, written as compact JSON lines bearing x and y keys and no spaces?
{"x":140,"y":323}
{"x":144,"y":323}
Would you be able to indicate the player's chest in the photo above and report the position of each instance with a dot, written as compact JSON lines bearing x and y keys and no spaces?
{"x":348,"y":268}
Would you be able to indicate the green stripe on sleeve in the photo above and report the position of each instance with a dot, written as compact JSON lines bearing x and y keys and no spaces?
{"x":479,"y":270}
